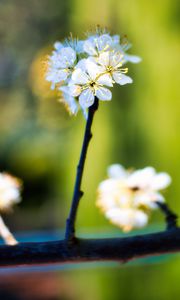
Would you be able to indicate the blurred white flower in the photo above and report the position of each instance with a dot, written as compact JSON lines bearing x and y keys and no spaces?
{"x":9,"y":191}
{"x":9,"y":195}
{"x":5,"y":233}
{"x":126,"y":197}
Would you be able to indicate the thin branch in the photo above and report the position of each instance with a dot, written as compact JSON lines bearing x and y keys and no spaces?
{"x":70,"y":223}
{"x":88,"y":250}
{"x":171,"y":217}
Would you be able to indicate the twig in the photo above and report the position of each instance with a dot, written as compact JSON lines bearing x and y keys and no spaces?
{"x":88,"y":250}
{"x":171,"y":217}
{"x":70,"y":223}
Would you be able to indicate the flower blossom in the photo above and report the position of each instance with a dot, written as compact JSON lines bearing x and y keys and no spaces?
{"x":82,"y":70}
{"x":9,"y":195}
{"x":90,"y":83}
{"x":61,"y":64}
{"x":97,"y":44}
{"x":9,"y":191}
{"x":127,"y":197}
{"x":111,"y":63}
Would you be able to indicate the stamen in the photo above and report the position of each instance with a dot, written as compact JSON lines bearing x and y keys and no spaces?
{"x":124,"y":71}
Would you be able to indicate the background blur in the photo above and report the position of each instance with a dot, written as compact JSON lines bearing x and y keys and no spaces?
{"x":40,"y":142}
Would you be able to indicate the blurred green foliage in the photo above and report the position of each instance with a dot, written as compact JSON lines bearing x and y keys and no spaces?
{"x":40,"y":143}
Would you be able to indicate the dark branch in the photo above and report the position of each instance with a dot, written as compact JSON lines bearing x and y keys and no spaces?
{"x":70,"y":223}
{"x":86,"y":250}
{"x":171,"y":217}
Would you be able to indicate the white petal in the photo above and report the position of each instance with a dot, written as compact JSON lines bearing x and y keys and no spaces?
{"x":103,"y":94}
{"x":121,"y":78}
{"x":104,"y":42}
{"x":71,"y":102}
{"x":158,"y":197}
{"x":68,"y":56}
{"x":141,"y":178}
{"x":57,"y":61}
{"x":56,"y":76}
{"x":89,"y":48}
{"x":93,"y":69}
{"x":160,"y":181}
{"x":86,"y":98}
{"x":140,"y":219}
{"x":105,"y":79}
{"x":79,"y":77}
{"x":127,"y":218}
{"x":75,"y":90}
{"x":106,"y":199}
{"x":116,"y":59}
{"x":148,"y":199}
{"x":117,"y":171}
{"x":103,"y":58}
{"x":81,"y":64}
{"x":64,"y":89}
{"x":58,"y":46}
{"x":62,"y":75}
{"x":116,"y":39}
{"x":85,"y":113}
{"x":80,"y":46}
{"x":108,"y":186}
{"x":132,"y":58}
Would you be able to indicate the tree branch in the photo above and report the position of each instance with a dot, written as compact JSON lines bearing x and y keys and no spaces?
{"x":88,"y":250}
{"x":70,"y":223}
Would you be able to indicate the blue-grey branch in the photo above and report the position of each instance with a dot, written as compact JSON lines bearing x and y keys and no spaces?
{"x":88,"y":250}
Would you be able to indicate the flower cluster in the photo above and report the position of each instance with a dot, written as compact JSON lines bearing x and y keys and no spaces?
{"x":9,"y":191}
{"x":83,"y":70}
{"x":127,"y":197}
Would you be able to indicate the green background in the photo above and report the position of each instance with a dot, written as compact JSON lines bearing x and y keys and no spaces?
{"x":40,"y":143}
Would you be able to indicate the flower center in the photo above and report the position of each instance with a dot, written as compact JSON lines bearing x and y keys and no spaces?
{"x":109,"y":69}
{"x":135,"y":189}
{"x":92,"y":83}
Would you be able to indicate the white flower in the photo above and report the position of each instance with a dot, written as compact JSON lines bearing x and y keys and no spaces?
{"x":95,"y":45}
{"x":126,"y":196}
{"x":61,"y":64}
{"x":9,"y":195}
{"x":89,"y":84}
{"x":111,"y":63}
{"x":9,"y":191}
